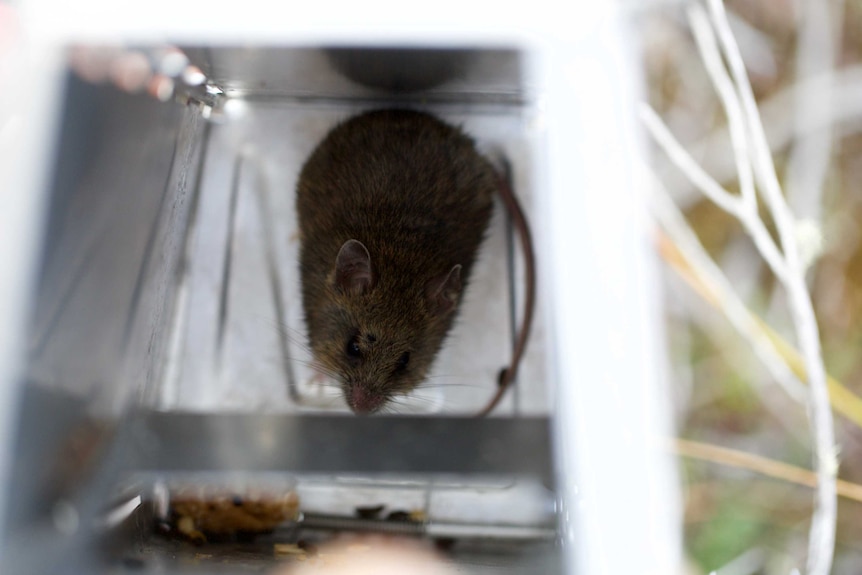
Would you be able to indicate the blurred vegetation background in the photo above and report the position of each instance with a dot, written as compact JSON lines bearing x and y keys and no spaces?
{"x":737,"y":521}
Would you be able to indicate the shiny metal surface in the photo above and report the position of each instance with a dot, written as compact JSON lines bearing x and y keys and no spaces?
{"x":475,"y":481}
{"x":121,"y":200}
{"x":164,"y":442}
{"x":168,"y":280}
{"x":122,"y":192}
{"x":115,"y":291}
{"x":366,"y":73}
{"x":513,"y":533}
{"x":590,"y":228}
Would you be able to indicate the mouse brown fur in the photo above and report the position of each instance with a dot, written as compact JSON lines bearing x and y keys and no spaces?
{"x":392,"y":207}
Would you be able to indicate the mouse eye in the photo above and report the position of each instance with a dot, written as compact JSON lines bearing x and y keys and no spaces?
{"x":352,"y":348}
{"x":402,"y":362}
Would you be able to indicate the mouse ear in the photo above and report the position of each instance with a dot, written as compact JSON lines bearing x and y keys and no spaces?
{"x":443,"y":291}
{"x":353,"y":268}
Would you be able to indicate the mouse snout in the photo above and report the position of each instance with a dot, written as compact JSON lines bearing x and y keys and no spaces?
{"x":361,"y":400}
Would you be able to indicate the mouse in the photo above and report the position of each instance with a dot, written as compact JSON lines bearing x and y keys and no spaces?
{"x":392,"y":207}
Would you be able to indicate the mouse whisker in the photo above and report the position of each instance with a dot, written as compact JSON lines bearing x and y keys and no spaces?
{"x":398,"y":402}
{"x":317,"y":367}
{"x":333,"y":376}
{"x":281,"y":326}
{"x":300,"y":340}
{"x":324,"y":385}
{"x":413,"y":400}
{"x":455,"y":378}
{"x":313,"y":365}
{"x":454,"y":384}
{"x":425,"y":406}
{"x":295,"y":336}
{"x":388,"y":409}
{"x":327,"y":385}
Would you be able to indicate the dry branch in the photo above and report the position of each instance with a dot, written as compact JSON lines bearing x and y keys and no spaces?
{"x":721,"y":55}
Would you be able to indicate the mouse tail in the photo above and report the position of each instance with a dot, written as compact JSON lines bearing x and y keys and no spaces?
{"x":508,"y":374}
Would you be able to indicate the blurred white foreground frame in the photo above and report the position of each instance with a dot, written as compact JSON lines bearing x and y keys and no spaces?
{"x":620,"y":505}
{"x":622,"y":498}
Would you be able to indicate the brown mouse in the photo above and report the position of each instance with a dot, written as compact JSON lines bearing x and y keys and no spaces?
{"x":393,"y":206}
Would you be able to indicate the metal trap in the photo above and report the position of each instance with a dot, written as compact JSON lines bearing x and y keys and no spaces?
{"x":168,"y":333}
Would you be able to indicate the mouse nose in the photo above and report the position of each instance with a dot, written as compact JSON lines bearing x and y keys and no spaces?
{"x":362,"y":401}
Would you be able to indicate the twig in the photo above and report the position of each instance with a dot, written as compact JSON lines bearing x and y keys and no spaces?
{"x":710,"y":188}
{"x":791,"y":420}
{"x":843,"y":401}
{"x":759,"y":464}
{"x":821,"y":542}
{"x":713,"y":190}
{"x":782,"y":127}
{"x":711,"y":57}
{"x":787,"y":265}
{"x":717,"y":290}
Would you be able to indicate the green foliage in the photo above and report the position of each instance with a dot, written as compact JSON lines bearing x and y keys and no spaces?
{"x":733,"y":529}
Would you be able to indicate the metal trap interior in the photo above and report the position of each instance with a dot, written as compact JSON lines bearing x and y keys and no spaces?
{"x":167,"y":343}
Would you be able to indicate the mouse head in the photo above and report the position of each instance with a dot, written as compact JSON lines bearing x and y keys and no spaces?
{"x":380,"y":340}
